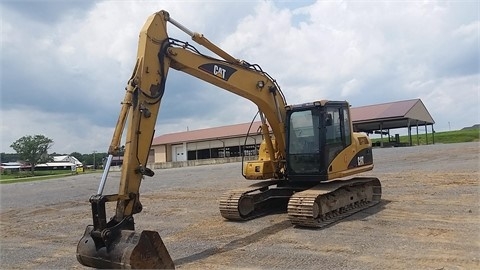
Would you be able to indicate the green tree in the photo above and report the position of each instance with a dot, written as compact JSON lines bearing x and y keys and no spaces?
{"x":6,"y":157}
{"x":77,"y":155}
{"x":32,"y":149}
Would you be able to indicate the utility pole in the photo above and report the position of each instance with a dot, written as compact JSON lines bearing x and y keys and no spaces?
{"x":94,"y":165}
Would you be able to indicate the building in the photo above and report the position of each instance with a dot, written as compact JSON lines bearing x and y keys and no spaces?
{"x":244,"y":139}
{"x":219,"y":142}
{"x":13,"y":167}
{"x":61,"y":163}
{"x":381,"y":118}
{"x":58,"y":163}
{"x":69,"y":159}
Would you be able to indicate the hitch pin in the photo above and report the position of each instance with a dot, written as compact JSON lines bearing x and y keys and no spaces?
{"x":104,"y":175}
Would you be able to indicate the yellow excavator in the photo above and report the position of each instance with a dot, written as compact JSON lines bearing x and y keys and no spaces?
{"x":304,"y":148}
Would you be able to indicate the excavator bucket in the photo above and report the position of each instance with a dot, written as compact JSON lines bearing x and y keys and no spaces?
{"x":128,"y":249}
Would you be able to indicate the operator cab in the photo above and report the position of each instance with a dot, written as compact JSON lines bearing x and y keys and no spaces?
{"x":316,"y":133}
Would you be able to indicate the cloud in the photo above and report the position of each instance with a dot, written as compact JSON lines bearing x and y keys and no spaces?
{"x":66,"y":130}
{"x":47,"y":11}
{"x":453,"y":100}
{"x":77,"y":64}
{"x":64,"y":66}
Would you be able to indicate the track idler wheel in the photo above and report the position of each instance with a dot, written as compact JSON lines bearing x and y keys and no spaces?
{"x":128,"y":249}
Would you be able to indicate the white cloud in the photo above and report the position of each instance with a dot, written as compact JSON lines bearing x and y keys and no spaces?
{"x":468,"y":31}
{"x":68,"y":132}
{"x":453,"y":100}
{"x":350,"y":88}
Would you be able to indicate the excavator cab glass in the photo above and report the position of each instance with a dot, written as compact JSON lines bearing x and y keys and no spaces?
{"x":315,"y":135}
{"x":304,"y":144}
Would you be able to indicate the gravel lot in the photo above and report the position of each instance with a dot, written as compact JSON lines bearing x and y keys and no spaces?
{"x":429,"y":218}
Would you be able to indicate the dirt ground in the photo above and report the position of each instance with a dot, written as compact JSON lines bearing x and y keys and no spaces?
{"x":429,"y":218}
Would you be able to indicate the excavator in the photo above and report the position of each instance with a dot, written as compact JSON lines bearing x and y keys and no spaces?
{"x":306,"y":155}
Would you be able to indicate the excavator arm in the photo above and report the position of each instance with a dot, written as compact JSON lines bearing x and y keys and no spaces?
{"x":115,"y":244}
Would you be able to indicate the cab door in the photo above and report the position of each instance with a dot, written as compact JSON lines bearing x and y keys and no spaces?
{"x":304,"y":157}
{"x":337,"y":130}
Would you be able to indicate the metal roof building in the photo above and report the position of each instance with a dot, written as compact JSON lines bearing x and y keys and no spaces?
{"x":229,"y":141}
{"x":223,"y":132}
{"x":217,"y":142}
{"x":380,"y":118}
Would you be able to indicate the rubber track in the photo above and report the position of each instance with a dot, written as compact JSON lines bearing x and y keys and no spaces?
{"x":301,"y":205}
{"x":229,"y":205}
{"x":229,"y":201}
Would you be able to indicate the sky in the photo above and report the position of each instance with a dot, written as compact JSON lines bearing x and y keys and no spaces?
{"x":65,"y":64}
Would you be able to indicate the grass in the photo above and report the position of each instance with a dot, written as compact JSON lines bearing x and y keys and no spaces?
{"x":39,"y":175}
{"x":457,"y":136}
{"x":467,"y":135}
{"x":31,"y":178}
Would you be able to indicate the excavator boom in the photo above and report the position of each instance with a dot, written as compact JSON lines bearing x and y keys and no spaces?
{"x":114,"y":243}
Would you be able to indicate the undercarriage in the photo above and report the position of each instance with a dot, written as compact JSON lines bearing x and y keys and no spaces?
{"x":307,"y":206}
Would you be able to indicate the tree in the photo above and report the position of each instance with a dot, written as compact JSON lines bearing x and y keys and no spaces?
{"x":6,"y":157}
{"x":32,"y":149}
{"x":77,"y":155}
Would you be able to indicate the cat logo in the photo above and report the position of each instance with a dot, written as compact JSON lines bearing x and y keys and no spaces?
{"x":360,"y":161}
{"x":221,"y":71}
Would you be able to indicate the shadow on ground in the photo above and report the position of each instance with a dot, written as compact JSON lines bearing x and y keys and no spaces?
{"x":235,"y":244}
{"x":271,"y":230}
